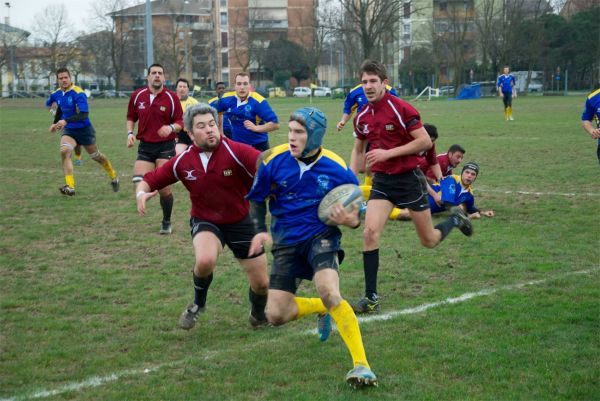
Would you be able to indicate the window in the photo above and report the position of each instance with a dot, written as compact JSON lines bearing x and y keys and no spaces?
{"x":443,"y":6}
{"x":223,"y":3}
{"x":224,"y":39}
{"x":224,"y":60}
{"x":223,"y":20}
{"x":406,"y":10}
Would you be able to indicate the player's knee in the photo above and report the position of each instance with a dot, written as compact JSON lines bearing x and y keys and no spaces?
{"x":66,"y":149}
{"x":205,"y":264}
{"x":275,"y":316}
{"x":97,"y":156}
{"x":137,"y":179}
{"x":370,"y":236}
{"x":429,"y":241}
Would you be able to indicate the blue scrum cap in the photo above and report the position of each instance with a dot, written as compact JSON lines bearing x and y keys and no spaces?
{"x":315,"y":122}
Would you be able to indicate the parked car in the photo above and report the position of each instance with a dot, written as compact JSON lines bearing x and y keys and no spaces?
{"x":322,"y":91}
{"x":301,"y":91}
{"x":276,"y":92}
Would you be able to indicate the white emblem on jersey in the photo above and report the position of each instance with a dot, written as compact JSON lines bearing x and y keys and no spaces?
{"x":227,"y":173}
{"x":142,"y":106}
{"x":365,"y":129}
{"x":189,"y":176}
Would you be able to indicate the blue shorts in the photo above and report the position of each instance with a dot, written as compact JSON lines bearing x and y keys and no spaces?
{"x":293,"y":263}
{"x":83,"y":136}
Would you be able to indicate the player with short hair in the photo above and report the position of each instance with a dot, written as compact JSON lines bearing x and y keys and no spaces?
{"x":505,"y":85}
{"x":158,"y":114}
{"x":396,"y":135}
{"x":447,"y":161}
{"x":218,"y":173}
{"x":77,"y":129}
{"x":249,"y":113}
{"x":592,"y":111}
{"x":457,"y":191}
{"x":223,"y":122}
{"x":182,"y":87}
{"x":295,"y":177}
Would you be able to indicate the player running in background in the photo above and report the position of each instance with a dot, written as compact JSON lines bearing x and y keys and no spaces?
{"x":506,"y":89}
{"x":295,"y":177}
{"x":217,"y":173}
{"x":158,"y":114}
{"x":249,"y":113}
{"x":394,"y":131}
{"x":223,"y":122}
{"x":182,"y":88}
{"x":591,"y":112}
{"x":76,"y":130}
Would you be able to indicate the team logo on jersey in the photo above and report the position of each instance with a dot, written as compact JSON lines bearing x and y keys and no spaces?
{"x":364,"y":128}
{"x":162,"y":108}
{"x":190,"y":175}
{"x":142,"y":105}
{"x":389,"y":127}
{"x":323,"y":185}
{"x":227,"y":173}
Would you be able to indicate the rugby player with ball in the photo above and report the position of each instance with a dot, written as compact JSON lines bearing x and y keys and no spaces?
{"x":295,"y":177}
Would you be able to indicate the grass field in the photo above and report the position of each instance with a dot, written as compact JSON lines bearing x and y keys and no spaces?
{"x":90,"y":294}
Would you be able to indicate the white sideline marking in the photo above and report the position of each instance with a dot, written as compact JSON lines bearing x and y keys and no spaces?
{"x":96,"y":381}
{"x":477,"y":189}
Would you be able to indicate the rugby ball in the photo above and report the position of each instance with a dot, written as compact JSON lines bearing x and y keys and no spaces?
{"x":346,"y":194}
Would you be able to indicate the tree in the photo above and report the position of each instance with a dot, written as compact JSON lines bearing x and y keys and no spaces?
{"x":109,"y":46}
{"x":284,"y":55}
{"x":53,"y":30}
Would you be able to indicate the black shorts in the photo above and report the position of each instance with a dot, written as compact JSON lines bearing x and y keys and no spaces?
{"x":183,"y":137}
{"x":406,"y":190}
{"x":293,"y":263}
{"x":83,"y":136}
{"x":150,"y":151}
{"x":236,"y":236}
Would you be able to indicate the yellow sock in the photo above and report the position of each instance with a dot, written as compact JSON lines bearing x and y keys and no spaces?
{"x":70,"y":181}
{"x":395,"y":213}
{"x":308,"y":306}
{"x":347,"y":325}
{"x":510,"y":112}
{"x":506,"y":113}
{"x":77,"y":156}
{"x":368,"y":180}
{"x":366,"y":191}
{"x":109,"y":169}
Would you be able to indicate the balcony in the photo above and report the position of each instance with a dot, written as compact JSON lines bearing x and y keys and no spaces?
{"x":202,"y":26}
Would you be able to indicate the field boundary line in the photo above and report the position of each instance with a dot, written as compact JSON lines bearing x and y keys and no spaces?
{"x":96,"y":381}
{"x":482,"y":189}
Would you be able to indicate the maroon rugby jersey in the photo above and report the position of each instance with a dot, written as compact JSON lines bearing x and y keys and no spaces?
{"x":217,"y":192}
{"x":445,"y":166}
{"x":386,"y":125}
{"x":165,"y":109}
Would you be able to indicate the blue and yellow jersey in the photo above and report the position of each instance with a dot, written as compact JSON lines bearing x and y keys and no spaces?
{"x":295,"y":190}
{"x":591,"y":111}
{"x":255,"y":108}
{"x":356,"y":99}
{"x":506,"y":82}
{"x":71,"y":102}
{"x":454,"y":193}
{"x":226,"y":123}
{"x":189,"y":101}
